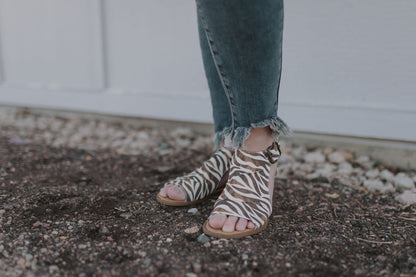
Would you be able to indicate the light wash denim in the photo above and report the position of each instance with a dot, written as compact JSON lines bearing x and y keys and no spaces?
{"x":241,"y":44}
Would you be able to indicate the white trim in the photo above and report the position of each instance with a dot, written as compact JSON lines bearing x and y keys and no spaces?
{"x":351,"y":121}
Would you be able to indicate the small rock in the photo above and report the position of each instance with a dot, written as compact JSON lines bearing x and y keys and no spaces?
{"x":358,"y":271}
{"x":363,"y":159}
{"x":336,"y":157}
{"x":104,"y":230}
{"x":126,"y":215}
{"x":314,"y":157}
{"x":192,"y":230}
{"x":197,"y":267}
{"x":286,"y":159}
{"x":168,"y":240}
{"x":372,"y":174}
{"x":387,"y":175}
{"x":345,"y":168}
{"x":203,"y":239}
{"x":163,"y":169}
{"x":407,"y":198}
{"x":328,"y":150}
{"x":388,"y":188}
{"x":374,"y":185}
{"x":190,"y":274}
{"x":325,"y":170}
{"x":53,"y":269}
{"x":82,"y":246}
{"x":29,"y":257}
{"x":193,"y":210}
{"x":402,"y":181}
{"x":299,"y":152}
{"x":147,"y":261}
{"x":207,"y":244}
{"x":346,"y":154}
{"x":19,"y":140}
{"x":182,"y":132}
{"x":332,"y":195}
{"x":244,"y":256}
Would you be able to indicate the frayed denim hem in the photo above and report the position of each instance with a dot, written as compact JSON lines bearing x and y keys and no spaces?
{"x":277,"y":125}
{"x":225,"y":135}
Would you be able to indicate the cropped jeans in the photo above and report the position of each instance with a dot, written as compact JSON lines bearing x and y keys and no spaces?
{"x":241,"y":44}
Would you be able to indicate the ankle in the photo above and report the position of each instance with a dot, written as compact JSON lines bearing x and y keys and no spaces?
{"x":259,"y":139}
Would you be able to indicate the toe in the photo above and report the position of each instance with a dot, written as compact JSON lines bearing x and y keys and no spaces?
{"x":163,"y":192}
{"x":175,"y":193}
{"x":229,"y":225}
{"x":217,"y":221}
{"x":241,"y":224}
{"x":250,"y":225}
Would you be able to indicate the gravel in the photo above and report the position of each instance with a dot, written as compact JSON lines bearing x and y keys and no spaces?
{"x":77,"y":198}
{"x":22,"y":127}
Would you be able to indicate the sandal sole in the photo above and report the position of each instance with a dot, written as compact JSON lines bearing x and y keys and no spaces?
{"x":208,"y":230}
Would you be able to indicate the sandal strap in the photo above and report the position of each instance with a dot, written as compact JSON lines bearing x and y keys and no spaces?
{"x":204,"y":180}
{"x":247,"y":194}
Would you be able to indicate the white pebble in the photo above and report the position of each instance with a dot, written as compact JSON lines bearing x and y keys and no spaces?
{"x":193,"y":210}
{"x":402,"y":181}
{"x":363,"y":159}
{"x":336,"y":157}
{"x":388,"y":188}
{"x":192,"y":230}
{"x":53,"y":268}
{"x":314,"y":157}
{"x":372,"y":174}
{"x":407,"y":198}
{"x":374,"y":185}
{"x":387,"y":175}
{"x":345,"y":168}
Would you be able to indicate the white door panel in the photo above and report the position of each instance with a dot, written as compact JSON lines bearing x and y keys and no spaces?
{"x":349,"y":66}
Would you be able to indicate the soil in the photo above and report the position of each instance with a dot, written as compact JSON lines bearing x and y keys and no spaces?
{"x":94,"y":213}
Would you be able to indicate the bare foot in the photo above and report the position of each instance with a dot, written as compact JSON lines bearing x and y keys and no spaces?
{"x":259,"y":139}
{"x":175,"y":192}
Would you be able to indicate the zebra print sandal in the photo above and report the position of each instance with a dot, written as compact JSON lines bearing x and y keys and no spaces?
{"x":204,"y":182}
{"x":246,"y":194}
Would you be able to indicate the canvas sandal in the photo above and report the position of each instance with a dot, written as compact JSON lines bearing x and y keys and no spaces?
{"x":246,"y":194}
{"x":204,"y":182}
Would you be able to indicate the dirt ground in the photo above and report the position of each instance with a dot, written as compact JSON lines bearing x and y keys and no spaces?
{"x":93,"y":213}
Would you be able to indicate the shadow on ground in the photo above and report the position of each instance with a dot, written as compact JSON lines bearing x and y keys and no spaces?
{"x":77,"y":212}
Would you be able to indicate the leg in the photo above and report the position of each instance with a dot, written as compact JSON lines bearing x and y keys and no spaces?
{"x":221,"y":108}
{"x":245,"y":39}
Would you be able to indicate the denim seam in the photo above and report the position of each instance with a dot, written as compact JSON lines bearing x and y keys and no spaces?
{"x":220,"y":73}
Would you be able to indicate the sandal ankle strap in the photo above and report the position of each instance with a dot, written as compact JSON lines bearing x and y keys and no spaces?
{"x":273,"y":152}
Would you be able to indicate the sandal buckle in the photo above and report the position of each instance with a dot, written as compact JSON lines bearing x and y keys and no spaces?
{"x":270,"y":155}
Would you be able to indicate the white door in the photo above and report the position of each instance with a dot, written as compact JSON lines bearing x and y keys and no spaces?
{"x":349,"y":66}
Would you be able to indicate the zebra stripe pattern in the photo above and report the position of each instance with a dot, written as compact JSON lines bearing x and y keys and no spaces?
{"x":246,"y":193}
{"x":204,"y":180}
